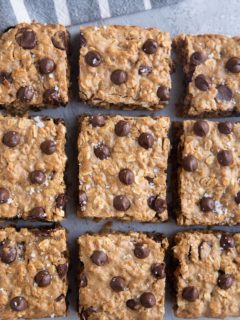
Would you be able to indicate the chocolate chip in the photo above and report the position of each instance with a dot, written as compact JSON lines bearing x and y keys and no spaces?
{"x":233,"y":65}
{"x":25,"y":94}
{"x":122,"y":128}
{"x":202,"y":82}
{"x":37,"y":177}
{"x":151,"y":202}
{"x":82,"y":40}
{"x":102,"y":151}
{"x":26,"y":38}
{"x":37,"y":213}
{"x":201,"y":128}
{"x":60,"y":40}
{"x":132,"y":304}
{"x":61,"y":200}
{"x":121,"y":203}
{"x":82,"y":280}
{"x":117,"y":284}
{"x":46,"y":65}
{"x":224,"y":93}
{"x":225,"y":127}
{"x":163,"y":93}
{"x":99,"y":258}
{"x":225,"y":157}
{"x":126,"y":176}
{"x":5,"y":77}
{"x":190,"y":293}
{"x":190,"y":163}
{"x":150,"y":46}
{"x":197,"y":58}
{"x":48,"y":146}
{"x":146,"y":140}
{"x":60,"y":298}
{"x":147,"y":300}
{"x":51,"y":96}
{"x":158,"y":270}
{"x":97,"y":121}
{"x":207,"y":204}
{"x":11,"y":139}
{"x":43,"y":278}
{"x":237,"y":198}
{"x":8,"y":254}
{"x":119,"y":77}
{"x":159,"y":205}
{"x":86,"y":313}
{"x":18,"y":303}
{"x":93,"y":58}
{"x":150,"y":180}
{"x":62,"y":270}
{"x":225,"y":281}
{"x":141,"y":251}
{"x":227,"y":241}
{"x":144,"y":70}
{"x":4,"y":195}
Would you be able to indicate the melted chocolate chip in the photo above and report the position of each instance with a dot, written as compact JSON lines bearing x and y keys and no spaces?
{"x":83,"y":280}
{"x":202,"y":82}
{"x":146,"y":140}
{"x":233,"y":65}
{"x":11,"y":139}
{"x":97,"y":121}
{"x":93,"y":58}
{"x":37,"y":177}
{"x":48,"y":146}
{"x":225,"y":281}
{"x":119,"y":77}
{"x":224,"y":93}
{"x":159,"y":205}
{"x":102,"y":151}
{"x":163,"y":93}
{"x":26,"y":38}
{"x":190,"y":293}
{"x":25,"y":94}
{"x":82,"y":40}
{"x":5,"y":77}
{"x":190,"y":163}
{"x":18,"y":303}
{"x":141,"y":251}
{"x":99,"y":258}
{"x":46,"y":65}
{"x":144,"y":70}
{"x":158,"y":270}
{"x":60,"y":40}
{"x":4,"y":195}
{"x":51,"y":96}
{"x":122,"y":128}
{"x":197,"y":58}
{"x":147,"y":300}
{"x":62,"y":270}
{"x":207,"y":204}
{"x":225,"y":157}
{"x":121,"y":203}
{"x":61,"y":201}
{"x":225,"y":127}
{"x":37,"y":213}
{"x":150,"y":46}
{"x":43,"y":278}
{"x":132,"y":304}
{"x":227,"y":241}
{"x":126,"y":176}
{"x":237,"y":198}
{"x":201,"y":128}
{"x":117,"y":284}
{"x":86,"y":313}
{"x":8,"y":254}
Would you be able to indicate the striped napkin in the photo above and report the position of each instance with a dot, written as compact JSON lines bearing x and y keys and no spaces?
{"x":70,"y":12}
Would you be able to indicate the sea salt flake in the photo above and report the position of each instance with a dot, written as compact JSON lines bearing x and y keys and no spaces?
{"x":38,"y":122}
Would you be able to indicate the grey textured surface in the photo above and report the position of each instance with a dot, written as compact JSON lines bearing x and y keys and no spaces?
{"x":189,"y":16}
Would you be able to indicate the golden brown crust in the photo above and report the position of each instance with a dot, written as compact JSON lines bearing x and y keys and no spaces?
{"x":120,"y":47}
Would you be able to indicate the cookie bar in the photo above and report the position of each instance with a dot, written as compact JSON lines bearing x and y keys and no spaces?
{"x":207,"y":276}
{"x":125,"y":66}
{"x":32,"y":166}
{"x":122,"y":167}
{"x":211,"y":64}
{"x":122,"y":276}
{"x":33,"y":66}
{"x":33,"y":268}
{"x":209,"y":171}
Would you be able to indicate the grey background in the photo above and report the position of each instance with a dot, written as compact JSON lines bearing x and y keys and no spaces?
{"x":188,"y":16}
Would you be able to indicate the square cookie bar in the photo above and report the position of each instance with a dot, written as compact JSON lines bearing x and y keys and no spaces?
{"x":209,"y":173}
{"x":33,"y":268}
{"x":33,"y":66}
{"x":211,"y":64}
{"x":122,"y":167}
{"x":125,"y":66}
{"x":32,"y":165}
{"x":207,"y":275}
{"x":122,"y":276}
